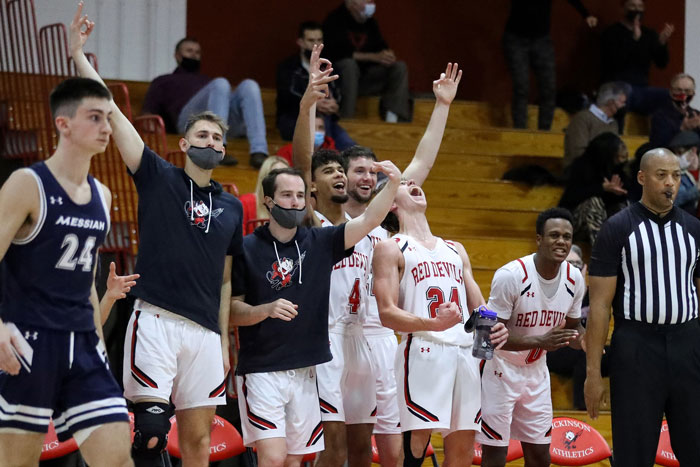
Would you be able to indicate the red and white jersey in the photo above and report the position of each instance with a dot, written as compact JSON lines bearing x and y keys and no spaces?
{"x":430,"y":278}
{"x":517,"y":295}
{"x":348,"y":294}
{"x":373,"y":325}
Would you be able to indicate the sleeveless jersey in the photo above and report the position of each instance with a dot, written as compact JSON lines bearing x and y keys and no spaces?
{"x":348,"y":295}
{"x":431,"y":277}
{"x":48,"y":275}
{"x":517,"y":296}
{"x":373,"y":325}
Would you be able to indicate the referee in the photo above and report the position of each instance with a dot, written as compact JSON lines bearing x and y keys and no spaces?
{"x":644,"y":266}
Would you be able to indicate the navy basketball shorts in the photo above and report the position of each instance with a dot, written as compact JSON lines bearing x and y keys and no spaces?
{"x":69,"y":380}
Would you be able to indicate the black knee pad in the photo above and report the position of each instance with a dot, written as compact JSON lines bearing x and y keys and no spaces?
{"x":151,"y":420}
{"x":408,"y":459}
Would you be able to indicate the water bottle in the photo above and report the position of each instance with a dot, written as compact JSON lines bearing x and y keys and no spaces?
{"x":485,"y":319}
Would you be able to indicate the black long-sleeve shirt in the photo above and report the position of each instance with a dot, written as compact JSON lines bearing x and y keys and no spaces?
{"x":531,"y":18}
{"x":624,"y":59}
{"x":343,"y":36}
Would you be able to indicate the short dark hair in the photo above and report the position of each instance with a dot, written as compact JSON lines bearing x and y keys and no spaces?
{"x":552,"y":213}
{"x":182,"y":41}
{"x":208,"y":116}
{"x":323,"y":157}
{"x":357,"y":152}
{"x":269,"y":183}
{"x":66,"y":97}
{"x":309,"y":26}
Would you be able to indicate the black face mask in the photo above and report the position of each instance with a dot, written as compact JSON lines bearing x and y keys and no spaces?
{"x":190,"y":64}
{"x":631,"y":15}
{"x":307,"y":54}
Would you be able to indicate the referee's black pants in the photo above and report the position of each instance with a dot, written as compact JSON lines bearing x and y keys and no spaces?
{"x":655,"y":369}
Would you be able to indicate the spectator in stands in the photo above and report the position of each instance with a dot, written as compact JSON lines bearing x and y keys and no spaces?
{"x":526,"y":42}
{"x":571,"y":362}
{"x":186,"y":91}
{"x":292,"y":78}
{"x":321,"y":140}
{"x":364,"y":61}
{"x":589,"y":123}
{"x":685,"y":146}
{"x":675,"y":114}
{"x":628,"y":50}
{"x":598,"y":189}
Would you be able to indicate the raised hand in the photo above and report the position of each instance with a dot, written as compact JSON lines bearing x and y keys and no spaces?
{"x":389,"y":169}
{"x":614,"y":185}
{"x":282,"y":309}
{"x":80,"y":29}
{"x":448,"y":315}
{"x":591,"y":21}
{"x":119,"y":286}
{"x":445,"y":88}
{"x":316,"y":63}
{"x":666,"y":33}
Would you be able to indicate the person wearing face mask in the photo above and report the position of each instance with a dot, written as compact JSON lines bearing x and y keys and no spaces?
{"x":281,"y":301}
{"x":186,"y":91}
{"x":322,"y":140}
{"x":364,"y":61}
{"x":685,"y":146}
{"x":292,"y":78}
{"x":676,"y":114}
{"x":589,"y":123}
{"x":526,"y":43}
{"x":628,"y":49}
{"x":598,"y":189}
{"x":177,"y":346}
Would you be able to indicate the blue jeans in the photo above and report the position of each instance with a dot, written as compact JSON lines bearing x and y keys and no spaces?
{"x":240,"y":108}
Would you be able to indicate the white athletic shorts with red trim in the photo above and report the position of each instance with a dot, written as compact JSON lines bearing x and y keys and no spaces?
{"x":438,"y":386}
{"x":383,"y":352}
{"x":516,"y":403}
{"x":346,"y":384}
{"x":168,"y":356}
{"x":281,"y":404}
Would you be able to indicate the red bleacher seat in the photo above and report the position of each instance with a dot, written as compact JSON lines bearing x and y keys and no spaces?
{"x":53,"y":449}
{"x":225,"y":440}
{"x":664,"y":453}
{"x":515,"y":451}
{"x":576,"y":443}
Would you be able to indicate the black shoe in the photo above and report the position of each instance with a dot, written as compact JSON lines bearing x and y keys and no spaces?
{"x":257,"y":159}
{"x":229,"y":160}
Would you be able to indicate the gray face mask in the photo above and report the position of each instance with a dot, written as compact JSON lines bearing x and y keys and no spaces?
{"x":205,"y":158}
{"x":287,"y":217}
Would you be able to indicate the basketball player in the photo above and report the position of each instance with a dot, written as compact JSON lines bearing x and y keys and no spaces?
{"x":539,"y":298}
{"x":52,"y":355}
{"x":177,"y":338}
{"x":361,"y":184}
{"x":424,"y":286}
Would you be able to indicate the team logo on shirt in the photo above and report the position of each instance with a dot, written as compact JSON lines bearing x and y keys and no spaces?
{"x":200,"y":214}
{"x":570,"y":439}
{"x":282,"y":271}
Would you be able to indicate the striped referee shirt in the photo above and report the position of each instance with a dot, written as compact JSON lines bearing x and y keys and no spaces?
{"x":655,"y":261}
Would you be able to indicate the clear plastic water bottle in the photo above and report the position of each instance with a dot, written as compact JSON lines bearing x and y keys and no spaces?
{"x":485,"y":320}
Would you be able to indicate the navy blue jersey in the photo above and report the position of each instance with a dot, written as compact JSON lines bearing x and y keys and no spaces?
{"x":185,"y":234}
{"x":299,"y":271}
{"x":48,"y":275}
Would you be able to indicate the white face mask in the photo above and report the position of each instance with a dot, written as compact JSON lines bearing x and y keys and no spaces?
{"x":369,"y":10}
{"x":684,"y":160}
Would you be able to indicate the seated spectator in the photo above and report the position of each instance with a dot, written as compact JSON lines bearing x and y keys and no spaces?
{"x":292,"y":78}
{"x":589,"y":123}
{"x":676,"y":114}
{"x":571,"y":362}
{"x":186,"y":91}
{"x":685,"y":146}
{"x":527,"y":43}
{"x":321,"y":141}
{"x":628,"y":50}
{"x":598,"y":189}
{"x":364,"y":61}
{"x":253,"y":203}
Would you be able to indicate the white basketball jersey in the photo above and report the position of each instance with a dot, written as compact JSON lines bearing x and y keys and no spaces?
{"x":373,"y":325}
{"x":430,"y":278}
{"x":348,"y":294}
{"x":517,"y":295}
